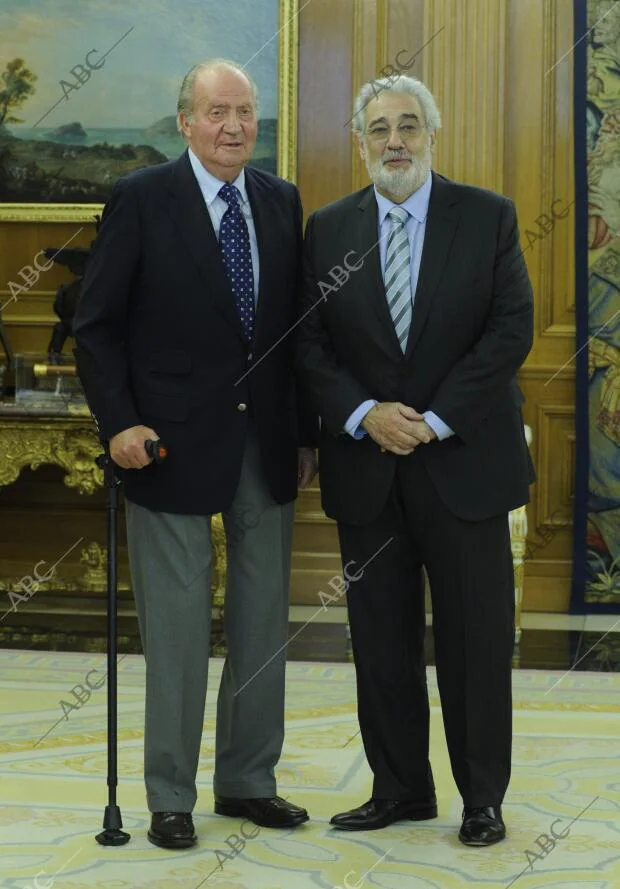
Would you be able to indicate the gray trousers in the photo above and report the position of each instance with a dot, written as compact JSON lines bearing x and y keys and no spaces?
{"x":170,"y":562}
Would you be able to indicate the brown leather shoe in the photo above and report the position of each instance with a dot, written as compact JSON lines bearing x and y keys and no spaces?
{"x":264,"y":811}
{"x":172,"y":830}
{"x":378,"y":813}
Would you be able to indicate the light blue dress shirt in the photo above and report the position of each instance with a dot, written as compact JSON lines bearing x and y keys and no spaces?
{"x":217,"y":206}
{"x":417,"y":207}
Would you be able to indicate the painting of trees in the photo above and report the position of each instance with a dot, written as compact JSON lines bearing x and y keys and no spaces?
{"x":16,"y":85}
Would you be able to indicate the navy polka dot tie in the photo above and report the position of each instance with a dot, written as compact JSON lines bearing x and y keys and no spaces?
{"x":237,"y":256}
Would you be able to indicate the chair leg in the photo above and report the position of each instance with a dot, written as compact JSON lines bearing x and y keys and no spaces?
{"x":517,"y":520}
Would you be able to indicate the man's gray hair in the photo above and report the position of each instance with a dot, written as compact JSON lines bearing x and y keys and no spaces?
{"x":185,"y":102}
{"x":401,"y":84}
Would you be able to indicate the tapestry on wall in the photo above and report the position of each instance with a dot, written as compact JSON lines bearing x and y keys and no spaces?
{"x":596,"y":580}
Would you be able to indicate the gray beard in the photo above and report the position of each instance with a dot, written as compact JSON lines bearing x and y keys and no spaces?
{"x":401,"y":183}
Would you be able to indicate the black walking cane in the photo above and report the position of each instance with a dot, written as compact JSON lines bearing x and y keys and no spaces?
{"x":112,"y":834}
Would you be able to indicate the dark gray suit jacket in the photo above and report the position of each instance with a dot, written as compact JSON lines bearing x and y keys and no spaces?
{"x":471,"y":330}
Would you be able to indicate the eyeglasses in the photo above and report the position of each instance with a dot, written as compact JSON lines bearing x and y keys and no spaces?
{"x":382,"y":132}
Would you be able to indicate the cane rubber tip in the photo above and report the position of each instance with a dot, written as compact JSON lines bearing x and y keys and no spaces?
{"x":112,"y":836}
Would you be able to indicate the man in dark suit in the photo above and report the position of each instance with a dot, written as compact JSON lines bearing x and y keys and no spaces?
{"x":419,"y":317}
{"x":194,"y":276}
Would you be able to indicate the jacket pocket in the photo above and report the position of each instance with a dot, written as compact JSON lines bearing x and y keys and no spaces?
{"x":165,"y":407}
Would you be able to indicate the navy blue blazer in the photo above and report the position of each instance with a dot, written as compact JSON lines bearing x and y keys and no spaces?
{"x":159,"y":341}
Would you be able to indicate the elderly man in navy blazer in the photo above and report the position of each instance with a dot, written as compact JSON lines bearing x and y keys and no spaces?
{"x":194,"y":277}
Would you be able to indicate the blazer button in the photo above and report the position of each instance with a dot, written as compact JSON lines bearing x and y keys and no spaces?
{"x":242,"y":407}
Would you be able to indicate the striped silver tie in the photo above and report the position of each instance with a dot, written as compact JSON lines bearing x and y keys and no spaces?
{"x":397,"y":275}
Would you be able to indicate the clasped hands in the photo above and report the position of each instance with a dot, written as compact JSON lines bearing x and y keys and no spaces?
{"x":397,"y":428}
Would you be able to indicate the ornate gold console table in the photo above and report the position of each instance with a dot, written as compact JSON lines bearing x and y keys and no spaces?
{"x":68,"y":440}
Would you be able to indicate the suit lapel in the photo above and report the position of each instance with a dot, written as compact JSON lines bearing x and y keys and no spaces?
{"x":441,"y":226}
{"x":371,"y":283}
{"x":260,"y":197}
{"x":192,"y":219}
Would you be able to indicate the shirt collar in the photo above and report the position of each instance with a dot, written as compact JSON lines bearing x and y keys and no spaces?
{"x":210,"y":185}
{"x":416,"y":204}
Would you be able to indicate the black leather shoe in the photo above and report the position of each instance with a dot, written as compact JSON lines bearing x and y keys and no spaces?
{"x":482,"y":826}
{"x":378,"y":813}
{"x":264,"y":811}
{"x":172,"y":830}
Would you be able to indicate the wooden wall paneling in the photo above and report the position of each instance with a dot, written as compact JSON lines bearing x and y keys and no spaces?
{"x":368,"y":51}
{"x":325,"y":89}
{"x":29,"y":318}
{"x":538,"y":172}
{"x":328,"y":36}
{"x":550,"y":514}
{"x":465,"y":70}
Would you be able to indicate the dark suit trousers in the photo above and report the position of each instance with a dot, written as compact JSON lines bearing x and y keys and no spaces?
{"x":469,"y":565}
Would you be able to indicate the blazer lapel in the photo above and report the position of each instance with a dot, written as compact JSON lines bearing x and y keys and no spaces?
{"x":260,"y":197}
{"x":192,"y":219}
{"x":371,"y":282}
{"x":441,"y":226}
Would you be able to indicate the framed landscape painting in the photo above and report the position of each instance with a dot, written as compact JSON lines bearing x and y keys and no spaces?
{"x":88,"y":92}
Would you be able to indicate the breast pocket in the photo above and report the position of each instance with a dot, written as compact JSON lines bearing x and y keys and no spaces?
{"x":169,"y":361}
